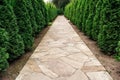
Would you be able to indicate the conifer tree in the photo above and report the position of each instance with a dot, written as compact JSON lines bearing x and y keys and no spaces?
{"x":52,"y":11}
{"x":4,"y":41}
{"x":9,"y":23}
{"x":38,"y":15}
{"x":96,"y":21}
{"x":23,"y":19}
{"x":30,"y":9}
{"x":110,"y":27}
{"x":43,"y":9}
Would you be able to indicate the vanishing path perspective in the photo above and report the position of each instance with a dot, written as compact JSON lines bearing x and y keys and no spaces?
{"x":62,"y":55}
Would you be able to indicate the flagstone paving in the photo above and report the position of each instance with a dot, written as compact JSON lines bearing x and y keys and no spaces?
{"x":62,"y":55}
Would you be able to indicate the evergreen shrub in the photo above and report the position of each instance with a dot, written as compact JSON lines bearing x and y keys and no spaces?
{"x":99,"y":19}
{"x":4,"y":41}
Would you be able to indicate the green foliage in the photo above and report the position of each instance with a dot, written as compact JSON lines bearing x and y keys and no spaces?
{"x":4,"y":38}
{"x":60,"y":3}
{"x":24,"y":23}
{"x":52,"y":11}
{"x":32,"y":14}
{"x":99,"y":19}
{"x":9,"y":23}
{"x":110,"y":27}
{"x":117,"y":56}
{"x":38,"y":15}
{"x":60,"y":11}
{"x":20,"y":20}
{"x":43,"y":9}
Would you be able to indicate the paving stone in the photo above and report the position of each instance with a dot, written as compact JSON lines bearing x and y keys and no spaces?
{"x":76,"y":39}
{"x":80,"y":57}
{"x":101,"y":75}
{"x":56,"y":44}
{"x":59,"y":67}
{"x":41,"y":49}
{"x":48,"y":72}
{"x":32,"y":76}
{"x":61,"y":78}
{"x":92,"y":68}
{"x":71,"y":49}
{"x":51,"y":56}
{"x":57,"y":51}
{"x":62,"y":55}
{"x":73,"y":63}
{"x":39,"y":54}
{"x":92,"y":62}
{"x":78,"y":75}
{"x":84,"y":49}
{"x":31,"y":66}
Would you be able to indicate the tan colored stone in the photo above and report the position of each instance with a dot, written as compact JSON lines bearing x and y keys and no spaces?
{"x":101,"y":75}
{"x":71,"y":49}
{"x":41,"y":49}
{"x":31,"y":66}
{"x":61,"y":78}
{"x":92,"y":62}
{"x":48,"y":72}
{"x":71,"y":62}
{"x":80,"y":57}
{"x":39,"y":54}
{"x":60,"y":68}
{"x":52,"y":56}
{"x":84,"y":49}
{"x":32,"y":76}
{"x":76,"y":39}
{"x":92,"y":68}
{"x":57,"y":51}
{"x":78,"y":75}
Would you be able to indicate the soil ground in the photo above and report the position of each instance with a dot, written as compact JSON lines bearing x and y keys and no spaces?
{"x":111,"y":65}
{"x":16,"y":66}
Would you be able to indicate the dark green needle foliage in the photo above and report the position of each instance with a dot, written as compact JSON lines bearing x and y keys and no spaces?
{"x":4,"y":40}
{"x":99,"y":19}
{"x":24,"y":23}
{"x":9,"y":23}
{"x":117,"y":56}
{"x":109,"y":34}
{"x":20,"y":20}
{"x":38,"y":15}
{"x":42,"y":8}
{"x":52,"y":11}
{"x":32,"y":14}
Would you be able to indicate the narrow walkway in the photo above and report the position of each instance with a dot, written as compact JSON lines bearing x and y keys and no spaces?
{"x":62,"y":55}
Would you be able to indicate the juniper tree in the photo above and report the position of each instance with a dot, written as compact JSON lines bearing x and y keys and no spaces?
{"x":38,"y":15}
{"x":4,"y":41}
{"x":110,"y":26}
{"x":31,"y":13}
{"x":9,"y":23}
{"x":24,"y":24}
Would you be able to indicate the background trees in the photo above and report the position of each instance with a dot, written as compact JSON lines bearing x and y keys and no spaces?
{"x":52,"y":11}
{"x":60,"y":4}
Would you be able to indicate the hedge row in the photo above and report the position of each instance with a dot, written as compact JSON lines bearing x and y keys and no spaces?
{"x":20,"y":22}
{"x":52,"y":10}
{"x":99,"y":19}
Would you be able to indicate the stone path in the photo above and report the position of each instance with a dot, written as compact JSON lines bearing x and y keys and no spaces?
{"x":62,"y":55}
